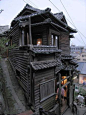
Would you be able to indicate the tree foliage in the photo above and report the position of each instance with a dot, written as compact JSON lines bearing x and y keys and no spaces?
{"x":3,"y":47}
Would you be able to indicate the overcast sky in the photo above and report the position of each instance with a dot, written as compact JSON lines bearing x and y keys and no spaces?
{"x":75,"y":8}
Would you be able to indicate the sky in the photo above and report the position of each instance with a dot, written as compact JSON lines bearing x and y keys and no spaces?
{"x":75,"y":8}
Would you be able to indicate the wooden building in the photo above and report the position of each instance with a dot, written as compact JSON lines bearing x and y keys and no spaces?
{"x":41,"y":59}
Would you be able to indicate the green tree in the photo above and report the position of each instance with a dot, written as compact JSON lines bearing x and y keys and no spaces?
{"x":3,"y":47}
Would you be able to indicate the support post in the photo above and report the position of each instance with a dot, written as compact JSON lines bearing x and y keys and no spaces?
{"x":30,"y":36}
{"x":56,"y":40}
{"x":22,"y":36}
{"x":70,"y":91}
{"x":59,"y":93}
{"x":70,"y":77}
{"x":52,"y":40}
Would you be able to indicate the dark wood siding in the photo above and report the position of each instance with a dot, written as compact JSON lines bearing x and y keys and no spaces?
{"x":41,"y":76}
{"x":15,"y":34}
{"x":42,"y":57}
{"x":20,"y":61}
{"x":43,"y":31}
{"x":45,"y":36}
{"x":64,"y":43}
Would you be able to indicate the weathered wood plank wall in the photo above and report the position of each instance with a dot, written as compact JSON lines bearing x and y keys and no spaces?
{"x":15,"y":34}
{"x":40,"y":76}
{"x":64,"y":43}
{"x":20,"y":61}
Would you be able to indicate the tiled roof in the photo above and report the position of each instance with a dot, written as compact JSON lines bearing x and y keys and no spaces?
{"x":73,"y":62}
{"x":3,"y":29}
{"x":66,"y":57}
{"x":45,"y":49}
{"x":43,"y":64}
{"x":59,"y":15}
{"x":35,"y":10}
{"x":32,"y":8}
{"x":30,"y":15}
{"x":82,"y":67}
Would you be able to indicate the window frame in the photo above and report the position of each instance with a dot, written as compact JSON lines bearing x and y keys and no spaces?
{"x":53,"y":32}
{"x":46,"y":97}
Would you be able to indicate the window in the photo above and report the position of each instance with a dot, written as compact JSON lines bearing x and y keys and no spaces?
{"x":84,"y":59}
{"x":24,"y":37}
{"x":83,"y":55}
{"x":47,"y":88}
{"x":78,"y":59}
{"x":54,"y":40}
{"x":39,"y":41}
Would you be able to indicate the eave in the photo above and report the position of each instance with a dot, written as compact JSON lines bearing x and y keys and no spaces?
{"x":65,"y":26}
{"x":44,"y":49}
{"x":43,"y":64}
{"x":71,"y":36}
{"x":66,"y":57}
{"x":71,"y":30}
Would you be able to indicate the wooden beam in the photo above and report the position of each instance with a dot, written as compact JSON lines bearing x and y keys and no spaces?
{"x":52,"y":39}
{"x":30,"y":36}
{"x":59,"y":93}
{"x":70,"y":77}
{"x":22,"y":36}
{"x":24,"y":23}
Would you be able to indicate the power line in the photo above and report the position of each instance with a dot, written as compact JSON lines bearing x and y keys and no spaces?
{"x":33,"y":3}
{"x":67,"y":19}
{"x":44,"y":18}
{"x":25,"y":1}
{"x":71,"y":19}
{"x":55,"y":6}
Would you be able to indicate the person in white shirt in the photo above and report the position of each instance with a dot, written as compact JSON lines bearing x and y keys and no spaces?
{"x":80,"y":99}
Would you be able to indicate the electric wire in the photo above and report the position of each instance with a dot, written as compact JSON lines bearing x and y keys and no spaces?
{"x":69,"y":21}
{"x":52,"y":25}
{"x":44,"y":18}
{"x":70,"y":17}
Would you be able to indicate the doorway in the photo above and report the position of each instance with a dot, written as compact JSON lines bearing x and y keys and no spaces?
{"x":65,"y":99}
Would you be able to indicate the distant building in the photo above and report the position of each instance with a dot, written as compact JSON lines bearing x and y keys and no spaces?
{"x":82,"y":74}
{"x":76,"y":50}
{"x":81,"y":57}
{"x":3,"y":30}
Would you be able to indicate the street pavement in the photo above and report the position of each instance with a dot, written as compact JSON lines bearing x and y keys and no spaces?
{"x":18,"y":105}
{"x":80,"y":111}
